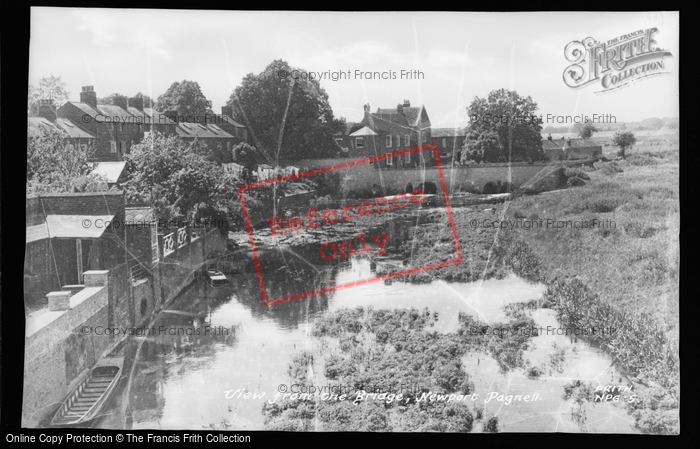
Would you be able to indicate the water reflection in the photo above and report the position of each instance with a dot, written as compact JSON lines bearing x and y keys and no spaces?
{"x":196,"y":381}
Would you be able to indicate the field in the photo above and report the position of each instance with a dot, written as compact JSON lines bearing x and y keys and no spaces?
{"x":647,"y":140}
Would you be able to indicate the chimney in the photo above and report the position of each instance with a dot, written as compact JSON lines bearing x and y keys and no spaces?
{"x":399,"y":109}
{"x":549,"y":137}
{"x":172,"y":115}
{"x":227,"y":111}
{"x":46,"y":110}
{"x":136,"y":102}
{"x":88,"y":96}
{"x":406,"y":104}
{"x":122,"y":102}
{"x":367,"y":110}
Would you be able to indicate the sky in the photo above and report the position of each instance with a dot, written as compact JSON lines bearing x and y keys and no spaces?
{"x":460,"y":55}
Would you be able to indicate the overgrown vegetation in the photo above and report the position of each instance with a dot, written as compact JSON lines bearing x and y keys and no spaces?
{"x":396,"y":351}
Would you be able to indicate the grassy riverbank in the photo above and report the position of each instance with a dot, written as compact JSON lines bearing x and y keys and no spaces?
{"x":621,"y":270}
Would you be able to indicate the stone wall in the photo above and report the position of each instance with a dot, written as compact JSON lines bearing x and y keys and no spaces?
{"x":61,"y":347}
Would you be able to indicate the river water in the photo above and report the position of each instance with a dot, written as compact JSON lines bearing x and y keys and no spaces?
{"x":196,"y":380}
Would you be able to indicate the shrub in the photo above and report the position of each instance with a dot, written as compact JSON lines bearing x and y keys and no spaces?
{"x":491,"y":425}
{"x":643,"y":160}
{"x":576,"y":173}
{"x":575,"y":182}
{"x":604,"y":205}
{"x":608,"y":168}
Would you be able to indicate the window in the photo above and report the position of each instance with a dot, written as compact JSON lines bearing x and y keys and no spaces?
{"x":112,"y":146}
{"x":359,"y":142}
{"x":388,"y":141}
{"x":406,"y":140}
{"x":389,"y":161}
{"x":228,"y":146}
{"x":398,"y":141}
{"x":425,"y":137}
{"x":444,"y":142}
{"x":407,"y":158}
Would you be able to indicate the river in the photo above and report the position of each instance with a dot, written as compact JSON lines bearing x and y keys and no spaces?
{"x":197,"y":379}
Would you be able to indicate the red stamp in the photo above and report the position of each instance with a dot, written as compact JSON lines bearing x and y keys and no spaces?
{"x":331,"y":250}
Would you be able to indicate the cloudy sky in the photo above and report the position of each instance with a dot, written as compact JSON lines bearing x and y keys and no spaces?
{"x":461,"y":56}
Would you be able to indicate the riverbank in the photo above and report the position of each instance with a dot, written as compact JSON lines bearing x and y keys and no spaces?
{"x":608,"y":251}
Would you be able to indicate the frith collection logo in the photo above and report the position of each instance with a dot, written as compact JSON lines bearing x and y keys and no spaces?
{"x":615,"y":63}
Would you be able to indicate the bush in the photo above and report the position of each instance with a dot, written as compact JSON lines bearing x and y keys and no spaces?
{"x":642,"y":160}
{"x":604,"y":205}
{"x":575,"y":182}
{"x":608,"y":168}
{"x":491,"y":425}
{"x":576,"y":173}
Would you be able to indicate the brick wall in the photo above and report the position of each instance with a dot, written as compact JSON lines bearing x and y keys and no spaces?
{"x":34,"y":214}
{"x":103,"y":203}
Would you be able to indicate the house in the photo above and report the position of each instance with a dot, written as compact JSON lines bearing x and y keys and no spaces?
{"x":571,"y":149}
{"x":226,"y":122}
{"x":449,"y":142}
{"x":219,"y":144}
{"x":389,"y":130}
{"x":47,"y":121}
{"x":115,"y":127}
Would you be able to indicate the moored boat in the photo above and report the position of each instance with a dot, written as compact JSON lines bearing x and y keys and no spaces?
{"x":87,"y":401}
{"x":216,"y":277}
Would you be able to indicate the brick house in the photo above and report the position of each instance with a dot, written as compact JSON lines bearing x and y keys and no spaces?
{"x":449,"y":142}
{"x":48,"y":121}
{"x":115,"y":127}
{"x":389,"y":130}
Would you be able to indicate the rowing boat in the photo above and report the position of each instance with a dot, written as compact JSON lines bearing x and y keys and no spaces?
{"x":87,"y":401}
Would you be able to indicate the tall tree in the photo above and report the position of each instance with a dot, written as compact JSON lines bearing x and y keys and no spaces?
{"x":186,"y":98}
{"x":505,"y":127}
{"x":288,"y":118}
{"x":55,"y":165}
{"x":167,"y":173}
{"x":587,"y":130}
{"x":623,"y":140}
{"x":50,"y":88}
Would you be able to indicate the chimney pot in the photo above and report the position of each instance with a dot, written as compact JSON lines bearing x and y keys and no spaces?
{"x":407,"y":103}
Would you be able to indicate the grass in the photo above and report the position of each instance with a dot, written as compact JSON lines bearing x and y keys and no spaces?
{"x":623,"y":270}
{"x":633,"y":262}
